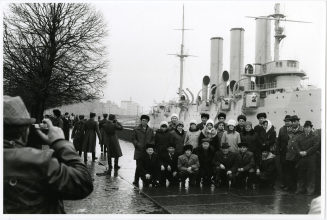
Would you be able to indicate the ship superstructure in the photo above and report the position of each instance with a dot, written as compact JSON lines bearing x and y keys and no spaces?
{"x":271,"y":86}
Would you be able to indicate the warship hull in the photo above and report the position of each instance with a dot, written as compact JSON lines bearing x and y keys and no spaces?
{"x":306,"y":104}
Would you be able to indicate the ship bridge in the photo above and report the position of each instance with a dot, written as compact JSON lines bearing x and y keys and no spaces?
{"x":282,"y":67}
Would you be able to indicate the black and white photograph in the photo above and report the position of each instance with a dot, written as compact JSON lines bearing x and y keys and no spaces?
{"x":161,"y":109}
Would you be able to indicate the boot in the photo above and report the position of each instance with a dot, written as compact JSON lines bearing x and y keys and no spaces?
{"x":116,"y":164}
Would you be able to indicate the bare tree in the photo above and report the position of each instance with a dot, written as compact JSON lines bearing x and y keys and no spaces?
{"x":54,"y":54}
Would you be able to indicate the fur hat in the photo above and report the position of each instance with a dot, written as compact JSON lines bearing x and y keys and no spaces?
{"x":15,"y":112}
{"x":180,"y":123}
{"x":149,"y":146}
{"x":224,"y":146}
{"x":205,"y":115}
{"x":146,"y":117}
{"x":163,"y":123}
{"x":188,"y":147}
{"x":231,"y":122}
{"x":112,"y":117}
{"x":92,"y":114}
{"x":56,"y":112}
{"x":221,"y":114}
{"x":193,"y":122}
{"x":243,"y":144}
{"x":241,"y":117}
{"x":261,"y":115}
{"x":105,"y":115}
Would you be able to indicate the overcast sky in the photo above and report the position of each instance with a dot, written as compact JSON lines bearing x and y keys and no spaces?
{"x":141,"y":34}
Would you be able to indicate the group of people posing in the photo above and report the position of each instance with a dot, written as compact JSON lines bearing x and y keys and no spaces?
{"x":232,"y":153}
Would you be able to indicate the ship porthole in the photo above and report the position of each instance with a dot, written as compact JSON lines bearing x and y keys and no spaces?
{"x":311,"y":110}
{"x":309,"y":94}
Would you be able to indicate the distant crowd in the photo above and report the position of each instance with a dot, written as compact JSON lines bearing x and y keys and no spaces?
{"x":229,"y":154}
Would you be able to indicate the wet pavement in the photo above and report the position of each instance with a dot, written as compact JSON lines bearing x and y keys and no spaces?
{"x":115,"y":194}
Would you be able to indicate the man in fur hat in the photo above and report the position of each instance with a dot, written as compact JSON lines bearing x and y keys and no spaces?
{"x":142,"y":135}
{"x":188,"y":166}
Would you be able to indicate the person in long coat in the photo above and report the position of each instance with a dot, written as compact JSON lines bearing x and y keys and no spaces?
{"x":91,"y":131}
{"x":307,"y":146}
{"x":269,"y":138}
{"x":192,"y":135}
{"x":78,"y":134}
{"x":66,"y":125}
{"x":110,"y":140}
{"x":282,"y":141}
{"x":101,"y":123}
{"x":142,"y":135}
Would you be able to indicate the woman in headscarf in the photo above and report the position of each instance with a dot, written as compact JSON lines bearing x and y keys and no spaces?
{"x":210,"y":133}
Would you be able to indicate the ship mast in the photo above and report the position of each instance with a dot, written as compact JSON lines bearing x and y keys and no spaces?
{"x":279,"y":36}
{"x":181,"y":56}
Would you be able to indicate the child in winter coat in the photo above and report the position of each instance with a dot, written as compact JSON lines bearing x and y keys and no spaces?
{"x":192,"y":135}
{"x":211,"y":133}
{"x":231,"y":136}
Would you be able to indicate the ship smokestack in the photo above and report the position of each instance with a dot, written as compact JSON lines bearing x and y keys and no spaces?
{"x":216,"y":66}
{"x":236,"y":56}
{"x":205,"y":83}
{"x":262,"y":43}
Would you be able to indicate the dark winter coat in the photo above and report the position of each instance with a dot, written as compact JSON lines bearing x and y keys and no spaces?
{"x":230,"y":160}
{"x":240,"y":129}
{"x":149,"y":165}
{"x":200,"y":126}
{"x":269,"y":138}
{"x":177,"y":140}
{"x":205,"y":157}
{"x":37,"y":181}
{"x":268,"y":168}
{"x":101,"y":123}
{"x":291,"y":153}
{"x":66,"y":127}
{"x":140,"y":138}
{"x":57,"y":122}
{"x":162,"y":140}
{"x":214,"y":141}
{"x":78,"y":134}
{"x":282,"y":140}
{"x":172,"y":160}
{"x":308,"y":143}
{"x":246,"y":161}
{"x":110,"y":138}
{"x":91,"y":130}
{"x":260,"y":132}
{"x":252,"y":140}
